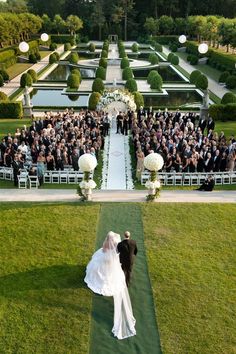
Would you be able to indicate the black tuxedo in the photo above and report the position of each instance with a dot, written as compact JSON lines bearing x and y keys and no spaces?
{"x":128,"y":250}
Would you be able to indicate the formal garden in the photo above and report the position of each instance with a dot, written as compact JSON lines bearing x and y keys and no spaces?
{"x":112,"y":116}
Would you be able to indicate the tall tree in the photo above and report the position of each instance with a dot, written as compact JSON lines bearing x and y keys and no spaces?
{"x":74,"y":23}
{"x":98,"y":19}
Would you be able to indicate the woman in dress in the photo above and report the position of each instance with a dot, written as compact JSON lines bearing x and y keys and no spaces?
{"x":40,"y":167}
{"x":105,"y":276}
{"x":140,"y":163}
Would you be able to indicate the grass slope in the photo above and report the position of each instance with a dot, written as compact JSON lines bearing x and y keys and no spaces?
{"x":44,"y":304}
{"x":192,"y":262}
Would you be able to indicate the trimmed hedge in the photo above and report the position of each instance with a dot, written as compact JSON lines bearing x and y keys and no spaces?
{"x":52,"y":58}
{"x":153,"y":58}
{"x":165,"y":40}
{"x":202,"y":82}
{"x":76,"y":71}
{"x":98,"y":85}
{"x":170,"y":56}
{"x":223,"y":77}
{"x":103,"y":62}
{"x":131,"y":85}
{"x":192,"y":48}
{"x":91,"y":47}
{"x":231,"y":82}
{"x":135,"y":47}
{"x":127,"y":74}
{"x":33,"y":74}
{"x":228,"y":97}
{"x":175,"y":60}
{"x":33,"y":47}
{"x":156,"y":82}
{"x":151,"y":75}
{"x":194,"y":76}
{"x":67,"y":46}
{"x":158,"y":47}
{"x":4,"y":74}
{"x":1,"y":81}
{"x":12,"y":110}
{"x":138,"y":98}
{"x":101,"y":73}
{"x":62,"y":38}
{"x":221,"y":61}
{"x":26,"y":80}
{"x":223,"y":112}
{"x":7,"y":58}
{"x":124,"y":63}
{"x":104,"y":54}
{"x":93,"y":100}
{"x":53,"y":46}
{"x":173,"y":47}
{"x":3,"y":97}
{"x":73,"y":81}
{"x":32,"y":58}
{"x":74,"y":58}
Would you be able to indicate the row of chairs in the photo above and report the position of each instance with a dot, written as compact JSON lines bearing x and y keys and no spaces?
{"x":64,"y":177}
{"x":191,"y":179}
{"x":25,"y":181}
{"x":6,"y":173}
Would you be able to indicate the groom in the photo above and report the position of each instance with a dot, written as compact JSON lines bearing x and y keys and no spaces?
{"x":127,"y":249}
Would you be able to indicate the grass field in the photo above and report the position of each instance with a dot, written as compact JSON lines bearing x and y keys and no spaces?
{"x":17,"y":69}
{"x":10,"y":125}
{"x":45,"y":307}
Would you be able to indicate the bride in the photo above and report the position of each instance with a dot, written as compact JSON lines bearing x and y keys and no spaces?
{"x":105,"y":276}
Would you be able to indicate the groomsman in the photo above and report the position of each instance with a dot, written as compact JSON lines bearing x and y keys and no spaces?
{"x":128,"y":250}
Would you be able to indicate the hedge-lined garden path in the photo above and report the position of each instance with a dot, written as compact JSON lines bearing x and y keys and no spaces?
{"x":119,"y":218}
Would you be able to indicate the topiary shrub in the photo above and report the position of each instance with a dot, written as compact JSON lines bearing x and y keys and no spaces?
{"x":202,"y":82}
{"x":98,"y":85}
{"x":3,"y":97}
{"x":231,"y":82}
{"x":74,"y":58}
{"x":93,"y":100}
{"x":73,"y":81}
{"x":229,"y":112}
{"x":33,"y":74}
{"x":170,"y":56}
{"x":104,"y":54}
{"x":103,"y":63}
{"x":124,"y":63}
{"x":101,"y":73}
{"x":156,"y":82}
{"x":193,"y":60}
{"x":4,"y":74}
{"x":57,"y":55}
{"x":53,"y":46}
{"x":173,"y":47}
{"x":72,"y":42}
{"x":151,"y":75}
{"x":127,"y":74}
{"x":223,"y":76}
{"x":76,"y":71}
{"x":1,"y":81}
{"x":67,"y":46}
{"x":216,"y":111}
{"x":158,"y":47}
{"x":138,"y":98}
{"x":135,"y":47}
{"x":131,"y":85}
{"x":26,"y":80}
{"x":194,"y":76}
{"x":38,"y":56}
{"x":228,"y":97}
{"x":11,"y":110}
{"x":91,"y":47}
{"x":175,"y":60}
{"x":153,"y":58}
{"x":32,"y":58}
{"x":52,"y":58}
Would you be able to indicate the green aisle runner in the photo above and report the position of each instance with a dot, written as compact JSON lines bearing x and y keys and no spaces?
{"x":119,"y":218}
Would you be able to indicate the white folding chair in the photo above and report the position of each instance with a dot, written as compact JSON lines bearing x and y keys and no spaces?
{"x":194,"y":180}
{"x":226,"y":178}
{"x":22,"y":180}
{"x":218,"y":179}
{"x":63,"y":177}
{"x":8,"y":173}
{"x":33,"y":182}
{"x":2,"y":172}
{"x":55,"y":177}
{"x":233,"y":178}
{"x":186,"y":180}
{"x":178,"y":179}
{"x":170,"y":180}
{"x":47,"y":177}
{"x":72,"y":177}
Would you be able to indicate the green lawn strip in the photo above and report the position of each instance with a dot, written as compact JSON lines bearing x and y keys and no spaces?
{"x":18,"y":68}
{"x":44,"y":53}
{"x":121,"y":217}
{"x":192,"y":261}
{"x":44,"y":304}
{"x":10,"y":125}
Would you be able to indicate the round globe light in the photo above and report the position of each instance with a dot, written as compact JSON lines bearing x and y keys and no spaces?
{"x":203,"y":48}
{"x":182,"y":39}
{"x":44,"y":37}
{"x":153,"y":162}
{"x":87,"y":162}
{"x":24,"y":47}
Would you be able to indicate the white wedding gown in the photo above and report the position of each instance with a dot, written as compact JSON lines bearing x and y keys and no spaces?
{"x":105,"y":276}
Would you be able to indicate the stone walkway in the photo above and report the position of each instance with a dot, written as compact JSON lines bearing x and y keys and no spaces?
{"x":60,"y":195}
{"x":213,"y":86}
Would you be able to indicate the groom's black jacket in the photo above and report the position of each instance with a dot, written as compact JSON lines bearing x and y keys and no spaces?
{"x":127,"y":249}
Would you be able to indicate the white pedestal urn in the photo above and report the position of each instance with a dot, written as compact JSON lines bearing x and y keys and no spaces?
{"x":153,"y":162}
{"x":87,"y":164}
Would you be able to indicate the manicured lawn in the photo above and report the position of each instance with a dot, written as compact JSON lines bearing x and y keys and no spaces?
{"x":17,"y":69}
{"x":228,"y":128}
{"x":44,"y":53}
{"x":10,"y":125}
{"x":45,"y":306}
{"x":192,"y":261}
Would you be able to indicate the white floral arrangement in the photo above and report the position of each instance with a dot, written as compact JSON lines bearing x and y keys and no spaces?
{"x":87,"y":162}
{"x":117,"y":96}
{"x":152,"y":185}
{"x":153,"y":162}
{"x":88,"y":185}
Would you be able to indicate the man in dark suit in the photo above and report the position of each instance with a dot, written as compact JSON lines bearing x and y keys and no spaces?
{"x":128,"y":250}
{"x":208,"y":185}
{"x":202,"y":124}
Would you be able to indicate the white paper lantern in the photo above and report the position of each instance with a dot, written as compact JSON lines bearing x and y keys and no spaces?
{"x":153,"y":162}
{"x":203,"y":48}
{"x":44,"y":37}
{"x":24,"y":47}
{"x":182,"y":39}
{"x":87,"y":162}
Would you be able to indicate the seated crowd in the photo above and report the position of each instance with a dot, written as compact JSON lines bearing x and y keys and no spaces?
{"x":186,"y":142}
{"x":54,"y":141}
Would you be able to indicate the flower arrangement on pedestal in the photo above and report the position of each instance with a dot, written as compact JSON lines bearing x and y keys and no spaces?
{"x":87,"y":164}
{"x":153,"y":162}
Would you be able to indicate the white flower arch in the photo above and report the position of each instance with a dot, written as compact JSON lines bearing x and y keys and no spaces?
{"x":119,"y":96}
